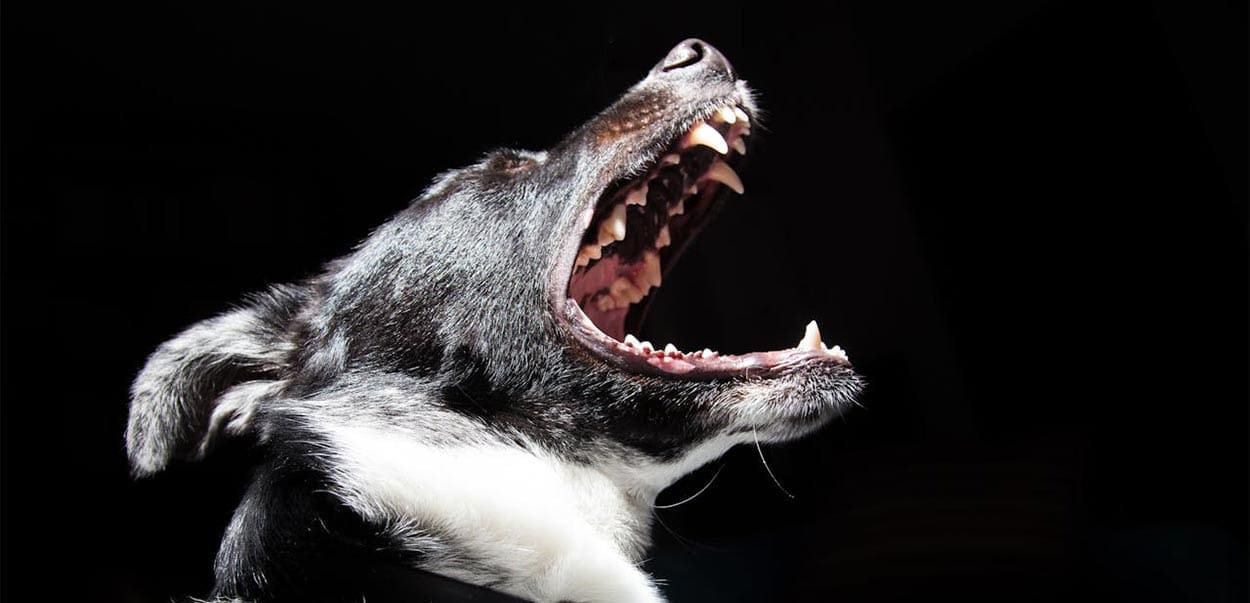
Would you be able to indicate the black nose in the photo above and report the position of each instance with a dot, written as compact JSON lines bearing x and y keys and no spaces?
{"x":694,"y":57}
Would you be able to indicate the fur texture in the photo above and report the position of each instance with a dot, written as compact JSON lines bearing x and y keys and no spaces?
{"x":422,"y":402}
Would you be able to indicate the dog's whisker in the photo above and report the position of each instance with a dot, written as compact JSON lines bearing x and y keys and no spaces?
{"x":682,"y":540}
{"x":696,"y":494}
{"x":755,"y":436}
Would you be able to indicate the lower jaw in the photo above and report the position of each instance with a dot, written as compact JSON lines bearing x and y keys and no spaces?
{"x":643,"y":358}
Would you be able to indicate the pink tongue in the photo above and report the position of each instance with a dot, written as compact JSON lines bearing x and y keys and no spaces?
{"x":612,"y":322}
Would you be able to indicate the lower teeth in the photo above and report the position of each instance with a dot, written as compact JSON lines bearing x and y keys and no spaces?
{"x":810,"y":343}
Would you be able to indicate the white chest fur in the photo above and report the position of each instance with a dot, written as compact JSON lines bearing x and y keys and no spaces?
{"x":547,"y":529}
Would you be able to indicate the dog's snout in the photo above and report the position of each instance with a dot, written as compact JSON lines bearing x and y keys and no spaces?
{"x":694,"y":57}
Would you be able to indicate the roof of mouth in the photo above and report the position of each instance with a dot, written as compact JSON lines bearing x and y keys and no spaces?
{"x":639,"y":228}
{"x":631,"y":238}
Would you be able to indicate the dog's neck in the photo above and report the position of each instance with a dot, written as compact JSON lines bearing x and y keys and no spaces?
{"x":491,"y":498}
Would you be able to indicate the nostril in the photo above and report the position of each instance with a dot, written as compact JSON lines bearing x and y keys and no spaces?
{"x":694,"y":58}
{"x":685,"y":54}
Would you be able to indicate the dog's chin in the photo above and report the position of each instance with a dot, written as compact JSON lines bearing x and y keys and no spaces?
{"x":791,"y":405}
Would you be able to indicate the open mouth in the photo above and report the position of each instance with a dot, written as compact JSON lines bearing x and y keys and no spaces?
{"x":639,"y":228}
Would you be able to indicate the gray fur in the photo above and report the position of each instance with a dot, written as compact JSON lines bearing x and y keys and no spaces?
{"x":444,"y":329}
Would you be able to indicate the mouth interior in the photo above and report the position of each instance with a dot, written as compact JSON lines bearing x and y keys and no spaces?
{"x":638,"y":230}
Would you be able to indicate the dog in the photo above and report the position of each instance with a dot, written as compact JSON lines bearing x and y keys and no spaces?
{"x":463,"y":395}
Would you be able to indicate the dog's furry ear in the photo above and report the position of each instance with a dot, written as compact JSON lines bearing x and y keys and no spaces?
{"x":209,"y":380}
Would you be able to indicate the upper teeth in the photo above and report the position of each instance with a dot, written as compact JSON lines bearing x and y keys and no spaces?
{"x":613,"y":228}
{"x":664,"y":239}
{"x":707,"y":136}
{"x":587,"y":253}
{"x":721,"y":172}
{"x":651,"y":267}
{"x":629,"y":283}
{"x":742,"y":117}
{"x":637,"y":196}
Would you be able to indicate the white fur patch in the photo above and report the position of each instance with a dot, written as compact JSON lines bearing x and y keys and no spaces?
{"x":553,"y":530}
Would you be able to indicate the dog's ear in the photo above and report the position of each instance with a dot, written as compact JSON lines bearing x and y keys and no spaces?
{"x":209,"y":380}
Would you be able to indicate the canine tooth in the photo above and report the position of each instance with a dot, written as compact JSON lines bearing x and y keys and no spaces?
{"x":637,"y":196}
{"x":739,"y":146}
{"x":630,"y":340}
{"x":613,"y":227}
{"x":664,"y":239}
{"x":726,"y":114}
{"x":742,"y":116}
{"x":721,"y":172}
{"x":671,"y":349}
{"x":811,"y":338}
{"x":707,"y":136}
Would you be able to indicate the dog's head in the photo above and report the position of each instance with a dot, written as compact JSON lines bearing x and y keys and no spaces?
{"x":509,"y":289}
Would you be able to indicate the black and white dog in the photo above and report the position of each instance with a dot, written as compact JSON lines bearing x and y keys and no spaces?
{"x":461,"y":394}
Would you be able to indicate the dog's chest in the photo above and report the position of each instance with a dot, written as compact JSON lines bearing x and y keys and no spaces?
{"x":491,"y":497}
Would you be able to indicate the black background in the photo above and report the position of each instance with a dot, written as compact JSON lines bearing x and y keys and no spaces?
{"x":1025,"y":221}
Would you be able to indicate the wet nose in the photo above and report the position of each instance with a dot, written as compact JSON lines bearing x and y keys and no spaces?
{"x":695,"y":58}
